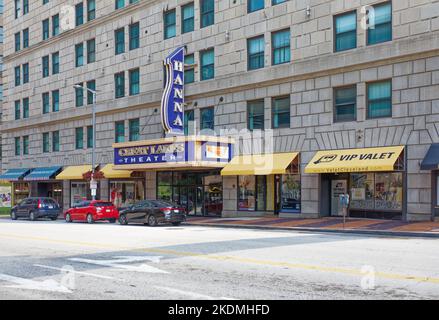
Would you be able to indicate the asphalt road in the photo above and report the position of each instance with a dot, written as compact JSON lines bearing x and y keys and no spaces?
{"x":56,"y":260}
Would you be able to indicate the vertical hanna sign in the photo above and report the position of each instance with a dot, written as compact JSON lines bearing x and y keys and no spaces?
{"x":173,"y":95}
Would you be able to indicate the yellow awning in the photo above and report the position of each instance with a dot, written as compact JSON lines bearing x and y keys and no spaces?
{"x":355,"y":160}
{"x":263,"y":164}
{"x":73,"y":172}
{"x":110,"y":173}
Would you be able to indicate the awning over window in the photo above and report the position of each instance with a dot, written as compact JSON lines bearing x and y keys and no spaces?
{"x":263,"y":164}
{"x":110,"y":173}
{"x":15,"y":174}
{"x":357,"y":160}
{"x":431,"y":160}
{"x":73,"y":172}
{"x":46,"y":173}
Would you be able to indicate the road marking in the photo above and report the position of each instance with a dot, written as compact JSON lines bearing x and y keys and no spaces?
{"x":45,"y":285}
{"x":117,"y":263}
{"x":76,"y":272}
{"x":193,"y":295}
{"x":356,"y":272}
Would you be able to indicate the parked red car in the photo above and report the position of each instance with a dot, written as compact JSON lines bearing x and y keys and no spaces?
{"x":92,"y":211}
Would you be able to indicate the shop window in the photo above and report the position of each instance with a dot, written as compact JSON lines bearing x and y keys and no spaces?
{"x":207,"y":13}
{"x":189,"y":70}
{"x":380,"y":26}
{"x":255,"y":49}
{"x":255,"y":5}
{"x":345,"y":27}
{"x":80,"y":191}
{"x":126,"y":193}
{"x":79,"y":138}
{"x":21,"y":191}
{"x":207,"y":58}
{"x":189,"y":118}
{"x":134,"y":31}
{"x":169,"y":24}
{"x":46,"y":102}
{"x":379,"y":99}
{"x":119,"y":39}
{"x":281,"y":47}
{"x":281,"y":112}
{"x":255,"y":115}
{"x":345,"y":108}
{"x":55,"y":25}
{"x":207,"y":118}
{"x":164,"y":186}
{"x":290,"y":193}
{"x":251,"y":193}
{"x":119,"y":131}
{"x":187,"y":18}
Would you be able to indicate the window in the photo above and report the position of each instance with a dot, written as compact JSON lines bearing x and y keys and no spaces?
{"x":119,"y":36}
{"x":55,"y":25}
{"x":187,"y":18}
{"x":134,"y":81}
{"x":55,"y":63}
{"x":25,"y":145}
{"x":25,"y":38}
{"x":380,"y":28}
{"x":17,"y":76}
{"x":25,"y":73}
{"x":17,"y":110}
{"x":379,"y":99}
{"x":207,"y":64}
{"x":79,"y":55}
{"x":92,"y":86}
{"x":134,"y":127}
{"x":45,"y":64}
{"x":55,"y":141}
{"x":207,"y":118}
{"x":45,"y":29}
{"x":281,"y":112}
{"x":345,"y":27}
{"x":119,"y":84}
{"x":207,"y":13}
{"x":25,"y":7}
{"x":25,"y":108}
{"x":251,"y":193}
{"x":17,"y":8}
{"x":255,"y":49}
{"x":275,"y":2}
{"x":119,"y":131}
{"x":91,"y":10}
{"x":79,"y":138}
{"x":79,"y":14}
{"x":79,"y":96}
{"x":120,"y":4}
{"x":91,"y":50}
{"x":45,"y":2}
{"x":90,"y":137}
{"x":46,"y":142}
{"x":169,"y":24}
{"x":189,"y":71}
{"x":134,"y":30}
{"x":17,"y":41}
{"x":345,"y":108}
{"x":2,"y":35}
{"x":189,"y":118}
{"x":46,"y":103}
{"x":290,"y":193}
{"x":281,"y":47}
{"x":17,"y":146}
{"x":255,"y":5}
{"x":55,"y":100}
{"x":255,"y":115}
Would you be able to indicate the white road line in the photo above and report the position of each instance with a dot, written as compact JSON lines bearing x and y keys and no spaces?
{"x":76,"y":272}
{"x":193,"y":295}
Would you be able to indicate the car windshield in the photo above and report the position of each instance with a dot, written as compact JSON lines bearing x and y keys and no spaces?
{"x":103,"y":204}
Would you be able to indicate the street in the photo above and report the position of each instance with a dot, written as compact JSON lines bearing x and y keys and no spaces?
{"x":56,"y":260}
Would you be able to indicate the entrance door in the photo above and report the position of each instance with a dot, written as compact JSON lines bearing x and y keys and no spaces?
{"x":338,"y":187}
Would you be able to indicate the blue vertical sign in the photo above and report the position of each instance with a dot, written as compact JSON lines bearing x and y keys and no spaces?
{"x":173,"y":96}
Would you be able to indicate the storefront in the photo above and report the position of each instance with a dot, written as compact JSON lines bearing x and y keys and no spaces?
{"x":374,"y":179}
{"x":267,"y":183}
{"x":431,"y":163}
{"x":43,"y":184}
{"x":20,"y":189}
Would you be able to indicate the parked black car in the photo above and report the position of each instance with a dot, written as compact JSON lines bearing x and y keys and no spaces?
{"x":34,"y":208}
{"x":152,"y":212}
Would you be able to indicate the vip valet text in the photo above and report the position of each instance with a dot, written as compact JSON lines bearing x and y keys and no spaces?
{"x":227,"y":309}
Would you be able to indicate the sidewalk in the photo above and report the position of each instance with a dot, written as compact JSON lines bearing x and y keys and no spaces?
{"x":335,"y":225}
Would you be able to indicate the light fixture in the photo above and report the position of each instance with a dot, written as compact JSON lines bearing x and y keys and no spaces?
{"x":227,"y":35}
{"x":308,"y":11}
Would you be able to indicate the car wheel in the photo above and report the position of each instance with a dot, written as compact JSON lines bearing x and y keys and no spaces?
{"x":32,"y":216}
{"x":68,"y":218}
{"x":90,"y":218}
{"x":111,"y":220}
{"x":152,"y":221}
{"x":123,"y":220}
{"x":13,"y":215}
{"x":176,"y":223}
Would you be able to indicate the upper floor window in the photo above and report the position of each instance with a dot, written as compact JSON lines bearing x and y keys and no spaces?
{"x":189,"y":71}
{"x":55,"y":63}
{"x":55,"y":141}
{"x":119,"y":36}
{"x":255,"y":5}
{"x":46,"y":29}
{"x":345,"y":31}
{"x":17,"y":73}
{"x":79,"y":96}
{"x":280,"y":112}
{"x":380,"y":24}
{"x":275,"y":2}
{"x":25,"y":108}
{"x":25,"y":73}
{"x":207,"y":118}
{"x":79,"y":55}
{"x":379,"y":99}
{"x":46,"y":103}
{"x":46,"y":142}
{"x":134,"y":31}
{"x":89,"y":137}
{"x":119,"y":131}
{"x":79,"y":138}
{"x":17,"y":8}
{"x":26,"y":38}
{"x":345,"y":104}
{"x":134,"y":130}
{"x":134,"y":76}
{"x":25,"y":7}
{"x":45,"y":65}
{"x":207,"y":58}
{"x":17,"y":146}
{"x":119,"y":84}
{"x":79,"y":14}
{"x":189,"y":118}
{"x":55,"y":100}
{"x":169,"y":24}
{"x":255,"y":115}
{"x":17,"y":109}
{"x":281,"y":47}
{"x":119,"y":4}
{"x":91,"y":51}
{"x":255,"y":47}
{"x":55,"y":25}
{"x":25,"y":145}
{"x":45,"y":2}
{"x":91,"y":10}
{"x":187,"y":18}
{"x":207,"y":12}
{"x":90,"y":96}
{"x":17,"y":41}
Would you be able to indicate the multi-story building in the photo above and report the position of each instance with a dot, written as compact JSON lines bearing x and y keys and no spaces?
{"x":348,"y":91}
{"x":1,"y":72}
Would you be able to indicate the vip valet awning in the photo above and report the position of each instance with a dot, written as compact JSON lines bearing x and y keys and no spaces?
{"x":110,"y":173}
{"x":263,"y":164}
{"x":15,"y":174}
{"x":357,"y":160}
{"x":73,"y":172}
{"x":45,"y":173}
{"x":431,"y":160}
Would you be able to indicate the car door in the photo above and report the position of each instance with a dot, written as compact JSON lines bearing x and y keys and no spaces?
{"x":136,"y":213}
{"x":20,"y":208}
{"x":85,"y":210}
{"x":76,"y":212}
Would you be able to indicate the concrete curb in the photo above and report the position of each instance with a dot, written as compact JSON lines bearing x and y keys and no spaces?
{"x":319,"y":230}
